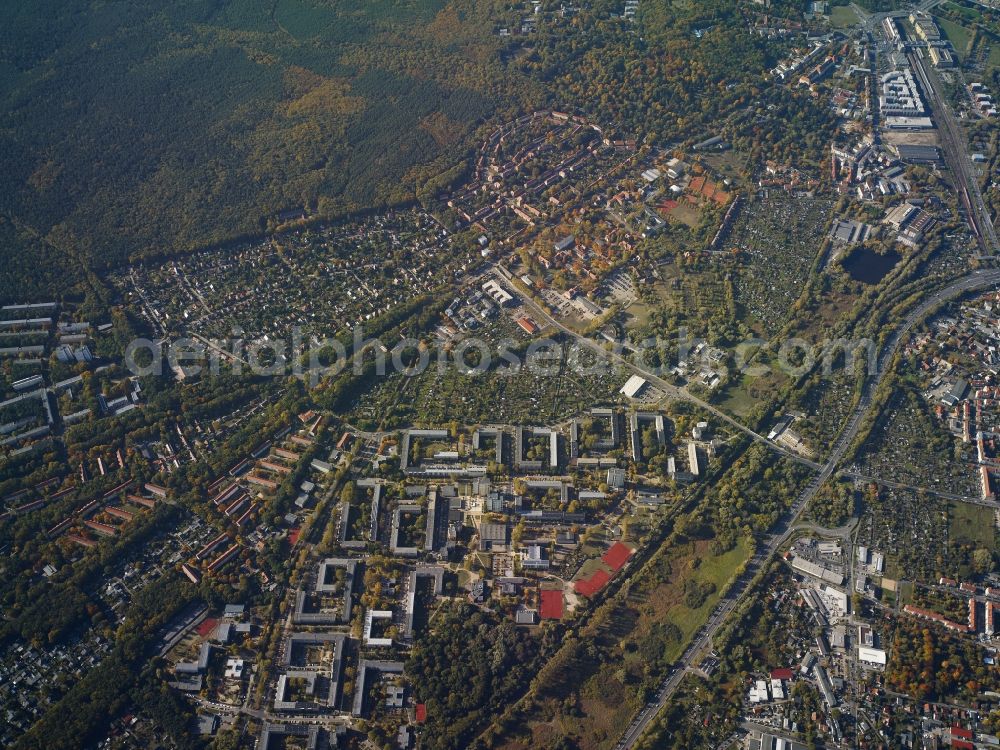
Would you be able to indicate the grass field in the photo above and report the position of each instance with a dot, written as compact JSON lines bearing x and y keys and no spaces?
{"x":686,"y":214}
{"x":972,"y":524}
{"x":714,"y":570}
{"x":971,"y":15}
{"x":905,"y":593}
{"x":741,"y":397}
{"x":842,"y":17}
{"x":959,"y":36}
{"x":736,"y":400}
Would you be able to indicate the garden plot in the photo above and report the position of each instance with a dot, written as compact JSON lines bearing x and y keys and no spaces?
{"x":777,"y":240}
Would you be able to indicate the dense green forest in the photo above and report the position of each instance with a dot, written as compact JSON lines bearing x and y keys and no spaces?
{"x":156,"y":127}
{"x":496,"y":662}
{"x":120,"y":681}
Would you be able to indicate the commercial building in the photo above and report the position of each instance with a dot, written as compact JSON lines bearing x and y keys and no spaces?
{"x":900,"y":215}
{"x":849,"y":232}
{"x":874,"y":657}
{"x":918,"y":154}
{"x":634,"y":387}
{"x":925,"y":27}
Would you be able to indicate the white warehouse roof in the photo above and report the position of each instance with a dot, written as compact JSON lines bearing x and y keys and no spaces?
{"x":634,"y":386}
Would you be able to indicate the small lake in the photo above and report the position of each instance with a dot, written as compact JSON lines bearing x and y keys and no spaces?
{"x":868,"y":267}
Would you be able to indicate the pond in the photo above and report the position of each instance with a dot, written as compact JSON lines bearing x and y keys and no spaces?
{"x":868,"y":267}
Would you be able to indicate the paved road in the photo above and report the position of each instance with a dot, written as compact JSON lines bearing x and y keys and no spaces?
{"x":786,"y":526}
{"x":842,"y":532}
{"x":915,"y":488}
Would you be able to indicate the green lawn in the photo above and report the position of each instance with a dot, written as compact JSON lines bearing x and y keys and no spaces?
{"x":993,"y":61}
{"x":971,"y":15}
{"x":972,"y":524}
{"x":594,"y":542}
{"x":905,"y":593}
{"x":842,"y":17}
{"x":736,"y":400}
{"x":893,"y":569}
{"x":637,"y":315}
{"x":959,"y":36}
{"x":718,"y":570}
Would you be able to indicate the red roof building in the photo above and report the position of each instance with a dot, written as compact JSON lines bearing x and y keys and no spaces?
{"x":420,"y":713}
{"x":527,"y":324}
{"x":552,"y":604}
{"x":617,"y":556}
{"x":784,"y":673}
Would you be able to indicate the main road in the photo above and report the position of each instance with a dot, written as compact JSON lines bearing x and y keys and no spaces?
{"x":915,"y":488}
{"x":785,"y":526}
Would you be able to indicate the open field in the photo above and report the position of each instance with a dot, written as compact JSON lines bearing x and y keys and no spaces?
{"x":959,"y":36}
{"x":973,"y":525}
{"x":736,"y":400}
{"x":842,"y":17}
{"x":715,"y":571}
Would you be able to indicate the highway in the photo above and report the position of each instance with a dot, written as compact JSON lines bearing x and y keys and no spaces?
{"x":786,"y":525}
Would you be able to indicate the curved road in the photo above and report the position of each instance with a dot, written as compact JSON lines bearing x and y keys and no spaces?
{"x":785,"y":526}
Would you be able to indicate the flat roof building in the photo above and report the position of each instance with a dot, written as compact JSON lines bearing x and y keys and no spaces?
{"x":693,"y":463}
{"x":871,"y":656}
{"x":365,"y":668}
{"x":493,"y":536}
{"x":898,"y":216}
{"x":918,"y":153}
{"x":634,"y":387}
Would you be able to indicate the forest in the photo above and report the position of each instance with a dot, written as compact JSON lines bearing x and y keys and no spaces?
{"x":119,"y":682}
{"x":168,"y":127}
{"x":159,"y":128}
{"x":930,"y":664}
{"x":496,"y":662}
